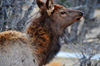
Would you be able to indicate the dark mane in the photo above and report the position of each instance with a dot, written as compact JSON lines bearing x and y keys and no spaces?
{"x":45,"y":38}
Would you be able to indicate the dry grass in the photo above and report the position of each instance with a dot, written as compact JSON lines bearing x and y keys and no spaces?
{"x":54,"y":63}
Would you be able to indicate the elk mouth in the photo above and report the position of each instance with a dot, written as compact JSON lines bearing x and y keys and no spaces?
{"x":79,"y":18}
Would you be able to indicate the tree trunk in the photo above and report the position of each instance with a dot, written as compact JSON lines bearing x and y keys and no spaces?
{"x":89,"y":14}
{"x":74,"y":27}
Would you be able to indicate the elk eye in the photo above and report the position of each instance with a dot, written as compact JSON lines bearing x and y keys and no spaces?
{"x":63,"y":12}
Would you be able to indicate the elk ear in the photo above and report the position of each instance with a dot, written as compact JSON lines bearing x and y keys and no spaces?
{"x":40,"y":3}
{"x":50,"y":6}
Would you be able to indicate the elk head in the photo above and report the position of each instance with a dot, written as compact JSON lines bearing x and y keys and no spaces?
{"x":62,"y":17}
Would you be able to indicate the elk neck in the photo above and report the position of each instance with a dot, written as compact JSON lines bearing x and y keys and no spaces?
{"x":45,"y":39}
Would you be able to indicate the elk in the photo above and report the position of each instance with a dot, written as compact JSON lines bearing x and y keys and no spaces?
{"x":40,"y":43}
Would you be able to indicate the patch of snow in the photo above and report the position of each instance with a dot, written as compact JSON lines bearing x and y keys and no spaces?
{"x":75,"y":55}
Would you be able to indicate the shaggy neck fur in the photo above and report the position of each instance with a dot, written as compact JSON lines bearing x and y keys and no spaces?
{"x":45,"y":39}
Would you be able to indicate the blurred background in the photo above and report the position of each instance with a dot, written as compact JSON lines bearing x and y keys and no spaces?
{"x":81,"y":43}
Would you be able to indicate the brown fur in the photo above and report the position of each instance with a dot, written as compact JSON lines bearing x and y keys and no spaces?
{"x":42,"y":36}
{"x":11,"y":35}
{"x":53,"y":63}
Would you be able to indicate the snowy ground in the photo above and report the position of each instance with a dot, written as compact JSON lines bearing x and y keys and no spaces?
{"x":75,"y":55}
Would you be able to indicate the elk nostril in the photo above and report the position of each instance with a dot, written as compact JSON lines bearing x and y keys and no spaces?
{"x":81,"y":13}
